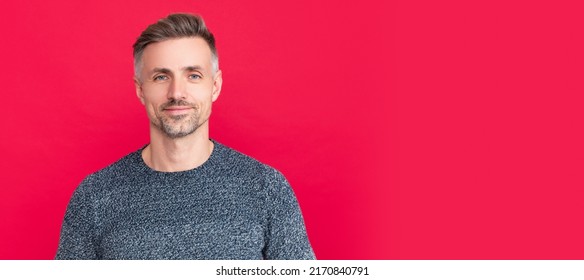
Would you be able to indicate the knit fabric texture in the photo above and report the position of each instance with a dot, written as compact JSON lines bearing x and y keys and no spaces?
{"x":230,"y":207}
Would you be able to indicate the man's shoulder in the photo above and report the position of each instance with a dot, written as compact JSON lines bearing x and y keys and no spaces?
{"x":122,"y":168}
{"x":241,"y":163}
{"x":235,"y":166}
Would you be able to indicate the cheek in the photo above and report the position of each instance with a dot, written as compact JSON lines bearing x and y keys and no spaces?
{"x":152,"y":106}
{"x":155,"y":93}
{"x":153,"y":96}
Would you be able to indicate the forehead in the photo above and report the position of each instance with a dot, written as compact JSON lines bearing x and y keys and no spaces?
{"x":177,"y":53}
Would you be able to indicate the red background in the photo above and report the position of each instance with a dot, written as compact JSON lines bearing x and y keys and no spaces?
{"x":408,"y":129}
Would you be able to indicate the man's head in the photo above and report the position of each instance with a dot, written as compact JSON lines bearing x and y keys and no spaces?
{"x":177,"y":76}
{"x":174,"y":26}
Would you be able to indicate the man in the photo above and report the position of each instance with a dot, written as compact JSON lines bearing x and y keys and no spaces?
{"x":182,"y":196}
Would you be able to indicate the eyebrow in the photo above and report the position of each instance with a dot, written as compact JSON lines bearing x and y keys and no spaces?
{"x":192,"y":68}
{"x":186,"y":68}
{"x":161,"y":70}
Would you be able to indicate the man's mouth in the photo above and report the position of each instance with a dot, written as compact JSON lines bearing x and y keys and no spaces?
{"x":176,"y":110}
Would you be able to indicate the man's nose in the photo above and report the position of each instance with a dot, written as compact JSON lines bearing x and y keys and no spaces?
{"x":177,"y":89}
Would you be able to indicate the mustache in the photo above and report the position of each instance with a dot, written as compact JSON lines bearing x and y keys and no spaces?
{"x":176,"y":102}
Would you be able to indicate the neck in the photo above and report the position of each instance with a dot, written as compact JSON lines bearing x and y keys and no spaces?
{"x":180,"y":154}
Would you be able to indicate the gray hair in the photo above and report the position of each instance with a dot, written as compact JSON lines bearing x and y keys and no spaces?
{"x":174,"y":26}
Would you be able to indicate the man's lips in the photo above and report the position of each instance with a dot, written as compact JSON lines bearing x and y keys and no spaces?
{"x":177,"y":109}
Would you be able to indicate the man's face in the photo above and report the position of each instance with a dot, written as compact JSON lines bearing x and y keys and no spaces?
{"x":177,"y":85}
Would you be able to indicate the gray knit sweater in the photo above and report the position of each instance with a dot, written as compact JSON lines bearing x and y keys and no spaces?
{"x":231,"y":207}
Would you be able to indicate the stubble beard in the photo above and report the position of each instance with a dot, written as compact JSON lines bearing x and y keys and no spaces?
{"x":177,"y":126}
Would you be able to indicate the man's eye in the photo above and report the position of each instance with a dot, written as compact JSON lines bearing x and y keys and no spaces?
{"x":160,"y":78}
{"x":194,"y":76}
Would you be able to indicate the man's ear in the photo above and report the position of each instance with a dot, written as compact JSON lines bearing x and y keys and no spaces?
{"x":217,"y":83}
{"x":139,"y":91}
